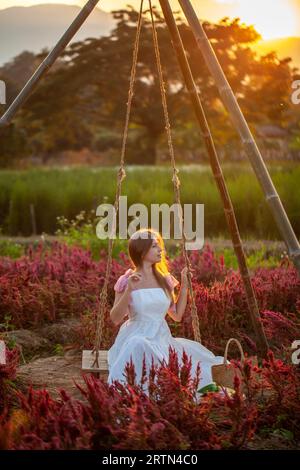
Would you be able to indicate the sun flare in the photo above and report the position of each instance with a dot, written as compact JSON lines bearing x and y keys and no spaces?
{"x":271,"y":18}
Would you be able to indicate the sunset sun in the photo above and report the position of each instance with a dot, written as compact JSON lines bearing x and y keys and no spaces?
{"x":271,"y":18}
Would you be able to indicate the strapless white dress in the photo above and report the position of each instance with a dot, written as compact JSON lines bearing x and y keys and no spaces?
{"x":147,"y":332}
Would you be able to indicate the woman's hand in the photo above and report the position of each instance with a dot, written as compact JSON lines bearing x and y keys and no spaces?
{"x":134,"y":281}
{"x":184,"y":277}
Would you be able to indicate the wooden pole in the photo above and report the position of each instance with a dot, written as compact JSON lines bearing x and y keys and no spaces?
{"x":239,"y":121}
{"x":219,"y":178}
{"x":47,"y":62}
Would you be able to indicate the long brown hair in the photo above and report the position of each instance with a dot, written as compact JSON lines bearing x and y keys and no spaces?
{"x":138,"y":246}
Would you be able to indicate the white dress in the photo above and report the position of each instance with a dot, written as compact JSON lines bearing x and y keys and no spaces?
{"x":147,"y":331}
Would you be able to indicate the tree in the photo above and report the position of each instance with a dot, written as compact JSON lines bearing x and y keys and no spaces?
{"x":89,"y":89}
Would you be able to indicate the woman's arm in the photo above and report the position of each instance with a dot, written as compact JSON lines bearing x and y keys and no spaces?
{"x":180,"y":305}
{"x":123,"y":289}
{"x":120,"y":306}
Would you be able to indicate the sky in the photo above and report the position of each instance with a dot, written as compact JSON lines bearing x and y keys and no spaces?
{"x":271,"y":18}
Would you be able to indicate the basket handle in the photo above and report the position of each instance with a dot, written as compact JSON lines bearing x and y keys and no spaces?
{"x":239,"y":346}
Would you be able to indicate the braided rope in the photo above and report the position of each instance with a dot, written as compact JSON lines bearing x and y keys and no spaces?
{"x":121,"y":176}
{"x":175,"y":178}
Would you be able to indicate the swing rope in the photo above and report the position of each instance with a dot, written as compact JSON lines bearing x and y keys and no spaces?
{"x":175,"y":178}
{"x":122,"y":175}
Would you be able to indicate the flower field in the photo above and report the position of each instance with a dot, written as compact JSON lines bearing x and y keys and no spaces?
{"x":46,"y":286}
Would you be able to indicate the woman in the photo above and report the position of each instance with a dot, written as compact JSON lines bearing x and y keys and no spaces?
{"x":146,"y":294}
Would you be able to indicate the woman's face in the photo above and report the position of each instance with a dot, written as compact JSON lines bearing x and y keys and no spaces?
{"x":154,"y":253}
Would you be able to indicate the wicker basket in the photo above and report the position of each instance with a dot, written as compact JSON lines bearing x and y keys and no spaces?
{"x":223,"y":374}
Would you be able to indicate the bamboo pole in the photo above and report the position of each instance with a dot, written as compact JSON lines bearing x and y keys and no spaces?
{"x":48,"y":62}
{"x":254,"y":155}
{"x":219,"y":178}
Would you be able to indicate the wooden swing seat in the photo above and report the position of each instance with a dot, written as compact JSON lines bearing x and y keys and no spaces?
{"x":88,"y":358}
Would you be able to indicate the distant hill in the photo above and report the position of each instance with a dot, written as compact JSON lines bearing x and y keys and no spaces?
{"x":33,"y":28}
{"x":285,"y":47}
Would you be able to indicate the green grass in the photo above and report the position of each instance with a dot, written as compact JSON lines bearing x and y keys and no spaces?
{"x":258,"y":258}
{"x":65,"y":192}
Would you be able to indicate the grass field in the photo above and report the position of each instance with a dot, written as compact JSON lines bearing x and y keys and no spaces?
{"x":67,"y":191}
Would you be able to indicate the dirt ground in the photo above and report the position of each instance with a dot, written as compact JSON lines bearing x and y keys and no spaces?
{"x":54,"y":373}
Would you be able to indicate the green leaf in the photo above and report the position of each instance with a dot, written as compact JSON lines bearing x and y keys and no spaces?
{"x":209,"y":388}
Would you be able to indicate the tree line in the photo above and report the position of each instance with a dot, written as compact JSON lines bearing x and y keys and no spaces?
{"x":81,"y":102}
